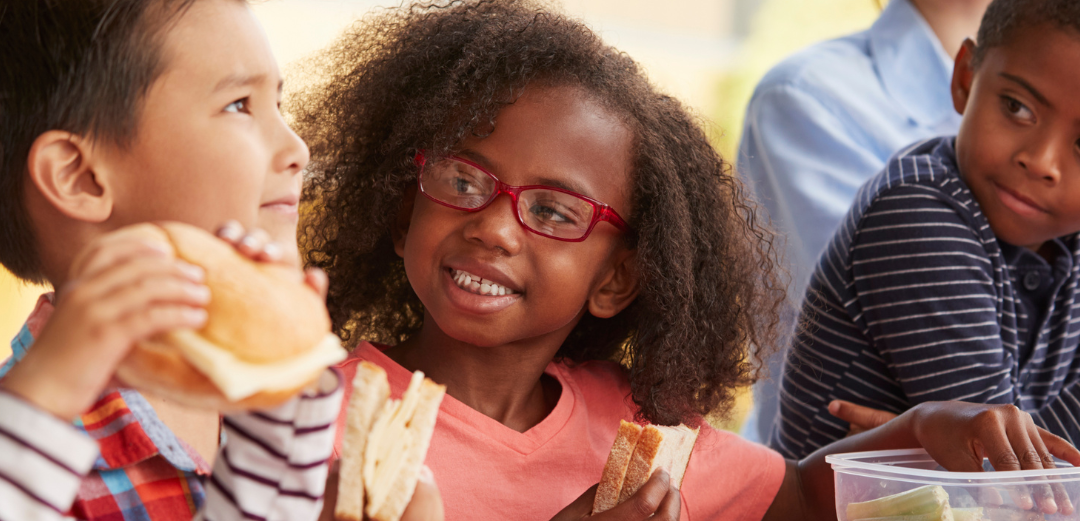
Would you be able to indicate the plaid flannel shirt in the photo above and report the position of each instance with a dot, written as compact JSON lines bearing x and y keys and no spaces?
{"x":144,"y":472}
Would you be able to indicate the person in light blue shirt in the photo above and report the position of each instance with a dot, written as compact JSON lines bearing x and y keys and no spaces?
{"x":827,"y":118}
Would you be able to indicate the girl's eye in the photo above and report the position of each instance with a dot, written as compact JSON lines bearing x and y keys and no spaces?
{"x":1016,"y":109}
{"x":552,"y":214}
{"x":240,"y":106}
{"x":464,"y":186}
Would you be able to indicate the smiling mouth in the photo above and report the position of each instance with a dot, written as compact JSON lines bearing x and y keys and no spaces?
{"x":478,"y":285}
{"x":1019,"y":203}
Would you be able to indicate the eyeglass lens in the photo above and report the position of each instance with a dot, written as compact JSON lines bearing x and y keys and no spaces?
{"x":548,"y":212}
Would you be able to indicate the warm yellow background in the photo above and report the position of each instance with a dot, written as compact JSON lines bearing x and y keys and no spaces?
{"x":709,"y":53}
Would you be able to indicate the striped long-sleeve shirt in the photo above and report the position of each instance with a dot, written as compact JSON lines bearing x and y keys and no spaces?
{"x":916,"y":300}
{"x":120,"y":462}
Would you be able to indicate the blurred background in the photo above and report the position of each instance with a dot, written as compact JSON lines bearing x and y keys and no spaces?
{"x":708,"y":53}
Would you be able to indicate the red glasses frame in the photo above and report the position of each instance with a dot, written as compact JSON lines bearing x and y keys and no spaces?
{"x":601,"y":211}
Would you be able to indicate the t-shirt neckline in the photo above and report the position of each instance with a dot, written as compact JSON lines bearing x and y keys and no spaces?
{"x":455,"y":410}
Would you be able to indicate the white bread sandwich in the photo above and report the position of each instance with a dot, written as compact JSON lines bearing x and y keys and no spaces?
{"x":267,"y":334}
{"x":638,"y":452}
{"x":384,"y":445}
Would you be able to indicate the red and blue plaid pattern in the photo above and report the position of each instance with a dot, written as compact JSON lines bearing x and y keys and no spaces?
{"x":144,"y":473}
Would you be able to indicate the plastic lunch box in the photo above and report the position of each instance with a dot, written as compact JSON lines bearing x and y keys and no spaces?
{"x":907,"y":485}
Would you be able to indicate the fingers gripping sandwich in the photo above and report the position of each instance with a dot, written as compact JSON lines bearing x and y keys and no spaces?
{"x":266,"y":337}
{"x":637,"y":453}
{"x":385,"y":444}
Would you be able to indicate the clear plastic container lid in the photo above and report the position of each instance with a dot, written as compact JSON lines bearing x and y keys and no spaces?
{"x":910,"y":485}
{"x":916,"y":466}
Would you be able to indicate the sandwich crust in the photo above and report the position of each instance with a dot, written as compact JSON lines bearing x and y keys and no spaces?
{"x":636,"y":454}
{"x":611,"y":481}
{"x":385,"y":444}
{"x":370,"y":391}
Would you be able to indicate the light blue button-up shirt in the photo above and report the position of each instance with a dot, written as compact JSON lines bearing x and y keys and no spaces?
{"x":824,"y":121}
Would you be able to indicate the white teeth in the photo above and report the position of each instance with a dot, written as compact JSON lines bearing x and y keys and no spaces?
{"x":470,"y":282}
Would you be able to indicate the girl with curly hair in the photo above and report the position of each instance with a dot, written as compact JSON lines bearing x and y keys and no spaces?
{"x":504,"y":202}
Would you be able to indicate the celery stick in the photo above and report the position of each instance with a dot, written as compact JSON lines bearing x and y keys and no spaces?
{"x":928,"y":500}
{"x":968,"y":514}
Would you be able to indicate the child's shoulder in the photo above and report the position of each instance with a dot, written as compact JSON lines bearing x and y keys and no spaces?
{"x":923,"y":174}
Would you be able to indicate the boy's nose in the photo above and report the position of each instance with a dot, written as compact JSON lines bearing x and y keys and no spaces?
{"x":292,"y":154}
{"x":1042,"y":159}
{"x":497,"y":226}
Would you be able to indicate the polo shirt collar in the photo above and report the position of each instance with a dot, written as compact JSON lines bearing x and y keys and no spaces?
{"x":900,"y":42}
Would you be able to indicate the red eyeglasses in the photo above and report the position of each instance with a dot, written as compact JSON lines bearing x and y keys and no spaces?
{"x":544,"y":210}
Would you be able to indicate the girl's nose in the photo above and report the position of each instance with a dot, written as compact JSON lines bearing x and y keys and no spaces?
{"x":497,"y":226}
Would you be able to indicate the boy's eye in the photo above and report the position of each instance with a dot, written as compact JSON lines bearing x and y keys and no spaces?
{"x":240,"y":105}
{"x":1016,"y":108}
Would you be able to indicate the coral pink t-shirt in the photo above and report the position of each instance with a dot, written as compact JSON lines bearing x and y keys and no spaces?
{"x":487,"y":471}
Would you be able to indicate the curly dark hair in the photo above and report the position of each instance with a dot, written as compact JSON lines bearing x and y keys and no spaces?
{"x":428,"y":76}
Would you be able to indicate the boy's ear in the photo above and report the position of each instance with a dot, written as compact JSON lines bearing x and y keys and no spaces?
{"x":963,"y":75}
{"x":619,"y":287}
{"x":59,"y":164}
{"x":404,"y":217}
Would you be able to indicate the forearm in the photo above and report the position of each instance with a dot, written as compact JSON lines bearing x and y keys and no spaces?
{"x":814,"y":476}
{"x":42,"y":461}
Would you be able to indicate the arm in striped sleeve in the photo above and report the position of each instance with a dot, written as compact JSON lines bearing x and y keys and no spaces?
{"x":42,"y":462}
{"x":926,"y":289}
{"x":274,"y":463}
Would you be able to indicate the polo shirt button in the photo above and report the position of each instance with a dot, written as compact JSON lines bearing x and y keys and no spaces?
{"x":1032,"y":280}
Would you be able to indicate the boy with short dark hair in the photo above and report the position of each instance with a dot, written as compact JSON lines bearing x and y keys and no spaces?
{"x":954,"y":276}
{"x":114,"y":112}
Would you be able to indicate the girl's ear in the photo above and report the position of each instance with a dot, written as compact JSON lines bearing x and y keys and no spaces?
{"x":61,"y":167}
{"x":963,"y":75}
{"x":404,"y":217}
{"x":619,"y":287}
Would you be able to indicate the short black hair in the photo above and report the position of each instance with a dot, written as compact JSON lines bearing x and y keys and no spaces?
{"x":1004,"y":17}
{"x":82,"y":66}
{"x":428,"y":76}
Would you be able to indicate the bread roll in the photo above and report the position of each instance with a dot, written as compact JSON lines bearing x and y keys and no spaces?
{"x":266,"y":337}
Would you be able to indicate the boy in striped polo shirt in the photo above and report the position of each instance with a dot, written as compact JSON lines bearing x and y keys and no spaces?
{"x":954,"y":275}
{"x":114,"y":112}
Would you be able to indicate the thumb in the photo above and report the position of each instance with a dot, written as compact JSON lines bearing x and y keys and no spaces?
{"x":865,"y":418}
{"x":317,"y":280}
{"x":426,"y":503}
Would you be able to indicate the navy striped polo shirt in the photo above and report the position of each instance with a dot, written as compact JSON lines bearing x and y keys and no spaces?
{"x":915,"y":300}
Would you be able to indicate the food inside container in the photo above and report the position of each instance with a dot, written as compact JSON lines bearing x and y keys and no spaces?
{"x":908,"y":485}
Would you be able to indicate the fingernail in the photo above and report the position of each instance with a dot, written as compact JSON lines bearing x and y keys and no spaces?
{"x":272,"y":250}
{"x":199,"y":292}
{"x":249,"y":241}
{"x":192,"y":271}
{"x":195,"y":316}
{"x":834,"y":407}
{"x":157,"y":247}
{"x":231,"y":231}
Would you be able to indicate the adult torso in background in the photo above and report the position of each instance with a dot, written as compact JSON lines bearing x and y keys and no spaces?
{"x":823,"y":122}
